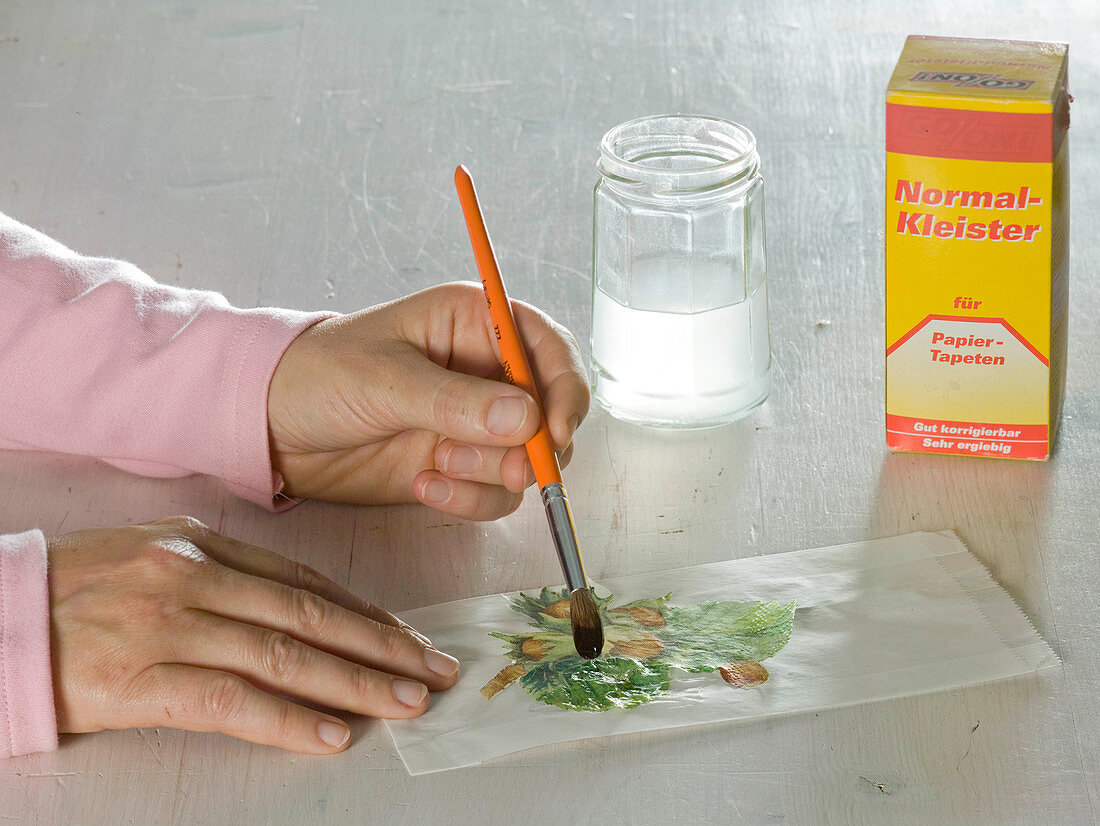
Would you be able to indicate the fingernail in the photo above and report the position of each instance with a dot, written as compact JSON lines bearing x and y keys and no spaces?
{"x":333,"y":734}
{"x":437,"y":491}
{"x":442,"y":664}
{"x":506,"y":416}
{"x":409,"y":693}
{"x":461,"y":459}
{"x":574,"y":423}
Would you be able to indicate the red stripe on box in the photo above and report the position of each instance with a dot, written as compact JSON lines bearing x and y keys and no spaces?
{"x":1001,"y":321}
{"x":1012,"y":441}
{"x":968,"y":135}
{"x":908,"y":424}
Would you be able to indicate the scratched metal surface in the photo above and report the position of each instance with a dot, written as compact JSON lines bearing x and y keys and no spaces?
{"x":300,"y":154}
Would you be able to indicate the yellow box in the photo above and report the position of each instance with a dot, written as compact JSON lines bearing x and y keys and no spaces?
{"x":977,"y":238}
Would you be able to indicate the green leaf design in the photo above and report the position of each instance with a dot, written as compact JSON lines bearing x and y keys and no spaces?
{"x":644,"y":639}
{"x":535,"y":607}
{"x":704,"y":636}
{"x":596,"y":685}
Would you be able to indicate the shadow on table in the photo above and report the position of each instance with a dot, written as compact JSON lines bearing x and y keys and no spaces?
{"x":657,"y":498}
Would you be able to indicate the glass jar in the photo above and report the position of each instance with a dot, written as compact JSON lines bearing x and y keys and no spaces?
{"x":679,"y":293}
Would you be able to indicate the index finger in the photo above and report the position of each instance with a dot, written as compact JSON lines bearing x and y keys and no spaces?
{"x":322,"y":625}
{"x":559,"y":371}
{"x":258,"y":561}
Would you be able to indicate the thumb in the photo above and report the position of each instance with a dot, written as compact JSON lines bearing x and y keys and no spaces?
{"x":470,"y":409}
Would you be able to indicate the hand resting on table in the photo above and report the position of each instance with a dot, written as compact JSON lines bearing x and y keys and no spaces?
{"x":171,"y":624}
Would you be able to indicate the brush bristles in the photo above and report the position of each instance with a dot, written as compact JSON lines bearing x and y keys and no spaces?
{"x":584,"y":617}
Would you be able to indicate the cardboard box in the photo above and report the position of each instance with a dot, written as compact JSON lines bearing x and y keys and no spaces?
{"x":977,"y":232}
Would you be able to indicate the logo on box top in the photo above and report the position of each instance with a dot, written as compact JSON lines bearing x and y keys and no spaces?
{"x":974,"y":80}
{"x":960,"y":133}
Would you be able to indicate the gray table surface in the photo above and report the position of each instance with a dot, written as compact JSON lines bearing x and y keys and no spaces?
{"x":300,"y":154}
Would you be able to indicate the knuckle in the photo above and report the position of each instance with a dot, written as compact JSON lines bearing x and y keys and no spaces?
{"x":391,"y":643}
{"x":450,"y":403}
{"x":361,"y":682}
{"x":558,"y":329}
{"x":459,"y":291}
{"x":309,"y":611}
{"x":302,"y":576}
{"x":281,"y":656}
{"x":282,"y":725}
{"x":576,"y":360}
{"x":163,"y":551}
{"x":186,"y":525}
{"x":165,"y":560}
{"x":223,"y":698}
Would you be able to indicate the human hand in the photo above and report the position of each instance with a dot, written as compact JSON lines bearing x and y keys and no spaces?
{"x":406,"y":401}
{"x":170,"y":624}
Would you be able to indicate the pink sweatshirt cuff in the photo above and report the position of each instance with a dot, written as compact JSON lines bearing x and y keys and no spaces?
{"x":27,"y":715}
{"x":249,"y":473}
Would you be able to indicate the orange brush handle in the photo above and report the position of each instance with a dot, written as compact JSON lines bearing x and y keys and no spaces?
{"x":540,"y":449}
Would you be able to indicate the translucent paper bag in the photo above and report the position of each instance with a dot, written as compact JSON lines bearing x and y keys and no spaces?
{"x":873,"y":620}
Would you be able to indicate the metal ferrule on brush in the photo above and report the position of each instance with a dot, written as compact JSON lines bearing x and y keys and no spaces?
{"x":564,"y":532}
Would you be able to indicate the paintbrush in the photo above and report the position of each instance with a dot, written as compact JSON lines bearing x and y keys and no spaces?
{"x":584,"y":616}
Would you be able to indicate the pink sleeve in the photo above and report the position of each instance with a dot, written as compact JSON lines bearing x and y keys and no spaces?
{"x":27,"y":719}
{"x":98,"y":359}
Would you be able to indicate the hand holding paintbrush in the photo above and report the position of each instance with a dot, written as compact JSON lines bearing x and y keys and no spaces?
{"x":584,"y":617}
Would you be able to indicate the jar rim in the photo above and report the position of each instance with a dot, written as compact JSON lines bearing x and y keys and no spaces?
{"x":729,"y":147}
